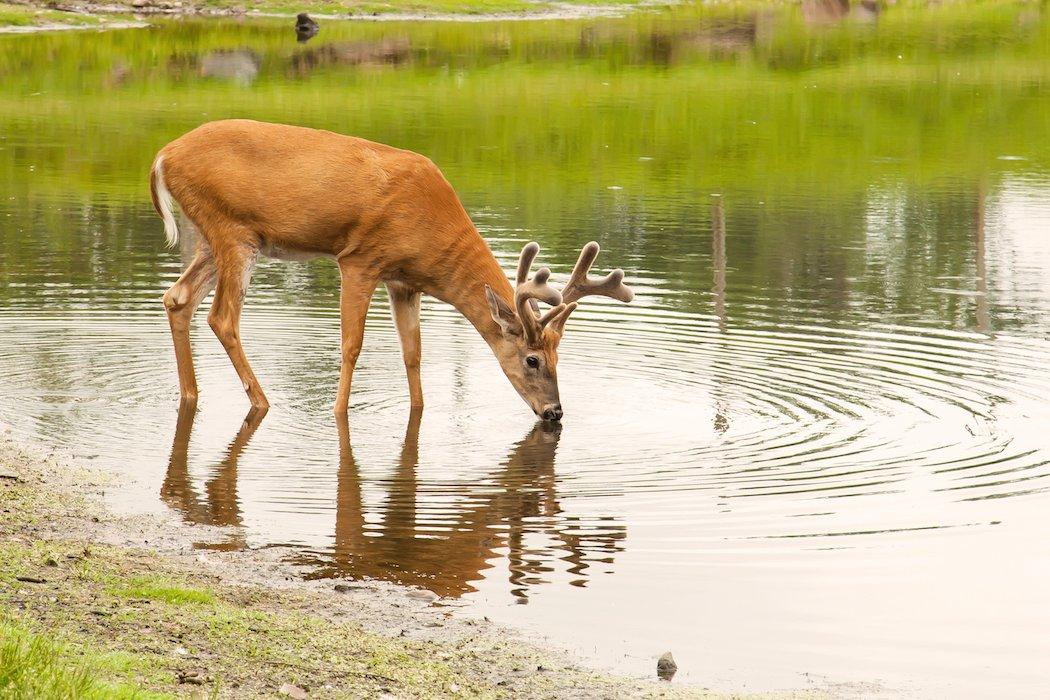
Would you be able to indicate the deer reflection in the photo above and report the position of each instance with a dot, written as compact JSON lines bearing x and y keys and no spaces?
{"x":521,"y":502}
{"x":515,"y":513}
{"x":220,"y":505}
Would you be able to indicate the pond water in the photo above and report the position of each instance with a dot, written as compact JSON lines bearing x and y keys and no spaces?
{"x":813,"y":450}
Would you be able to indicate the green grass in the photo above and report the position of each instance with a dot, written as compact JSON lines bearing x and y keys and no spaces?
{"x":36,"y":12}
{"x":36,"y":15}
{"x":35,"y":666}
{"x":152,"y":588}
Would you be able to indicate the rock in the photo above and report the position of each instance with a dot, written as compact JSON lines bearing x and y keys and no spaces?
{"x":140,"y":3}
{"x":666,"y":667}
{"x":292,"y":691}
{"x":423,"y":595}
{"x":192,"y":678}
{"x":30,"y":579}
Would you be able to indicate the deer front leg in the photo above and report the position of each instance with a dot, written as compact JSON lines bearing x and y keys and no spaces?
{"x":404,"y":305}
{"x":180,"y":302}
{"x":235,"y":267}
{"x":355,"y":294}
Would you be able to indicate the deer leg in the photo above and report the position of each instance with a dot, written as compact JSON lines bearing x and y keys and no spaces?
{"x":235,"y":270}
{"x":404,"y":305}
{"x":180,"y":302}
{"x":355,"y":294}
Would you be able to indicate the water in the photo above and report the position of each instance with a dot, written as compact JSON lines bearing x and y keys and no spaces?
{"x":813,"y":448}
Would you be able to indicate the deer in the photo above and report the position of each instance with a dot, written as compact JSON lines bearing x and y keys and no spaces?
{"x":385,"y":215}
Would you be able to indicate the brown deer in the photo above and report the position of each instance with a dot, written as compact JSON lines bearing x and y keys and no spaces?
{"x":385,"y":215}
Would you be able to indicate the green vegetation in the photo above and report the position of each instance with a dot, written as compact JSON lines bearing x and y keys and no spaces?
{"x":92,"y":12}
{"x":151,"y":588}
{"x":617,"y":129}
{"x":18,"y":15}
{"x":33,"y":665}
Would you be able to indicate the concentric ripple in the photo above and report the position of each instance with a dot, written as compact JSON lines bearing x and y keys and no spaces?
{"x":693,"y":443}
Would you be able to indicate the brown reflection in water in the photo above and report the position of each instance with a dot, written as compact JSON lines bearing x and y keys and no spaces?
{"x":832,"y":11}
{"x":521,"y":502}
{"x":443,"y":555}
{"x":220,"y":505}
{"x":388,"y":51}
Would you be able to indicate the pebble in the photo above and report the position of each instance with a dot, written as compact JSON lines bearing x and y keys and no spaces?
{"x":292,"y":691}
{"x":666,"y":667}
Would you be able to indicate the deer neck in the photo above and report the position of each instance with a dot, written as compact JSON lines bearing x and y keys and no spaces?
{"x":469,"y":268}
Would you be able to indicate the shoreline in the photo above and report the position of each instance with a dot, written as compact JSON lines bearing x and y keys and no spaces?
{"x":136,"y":586}
{"x":86,"y":14}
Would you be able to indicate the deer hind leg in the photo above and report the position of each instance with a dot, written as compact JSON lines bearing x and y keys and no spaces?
{"x":235,"y":265}
{"x":355,"y":294}
{"x":404,"y":305}
{"x":180,"y":302}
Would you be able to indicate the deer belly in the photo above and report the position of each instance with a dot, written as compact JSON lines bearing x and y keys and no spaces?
{"x":276,"y":251}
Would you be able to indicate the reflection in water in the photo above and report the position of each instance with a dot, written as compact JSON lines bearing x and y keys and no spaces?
{"x":239,"y":67}
{"x":521,"y":502}
{"x":387,"y":51}
{"x":220,"y":505}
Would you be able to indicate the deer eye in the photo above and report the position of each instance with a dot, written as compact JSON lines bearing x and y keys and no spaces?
{"x":532,"y":361}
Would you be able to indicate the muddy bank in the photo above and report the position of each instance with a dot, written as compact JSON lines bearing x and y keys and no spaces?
{"x":243,"y":624}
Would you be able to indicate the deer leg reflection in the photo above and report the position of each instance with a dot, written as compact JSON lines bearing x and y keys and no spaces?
{"x":355,"y":553}
{"x":521,"y":501}
{"x":221,"y":505}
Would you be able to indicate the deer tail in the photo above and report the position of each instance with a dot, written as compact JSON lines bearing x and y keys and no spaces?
{"x":162,"y":201}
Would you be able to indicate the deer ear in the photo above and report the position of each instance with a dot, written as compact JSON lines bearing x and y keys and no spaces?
{"x":503,"y":314}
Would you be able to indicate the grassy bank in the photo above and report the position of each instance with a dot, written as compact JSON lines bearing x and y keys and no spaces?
{"x":97,"y":606}
{"x":99,"y":13}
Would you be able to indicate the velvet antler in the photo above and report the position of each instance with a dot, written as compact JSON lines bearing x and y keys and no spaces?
{"x":528,"y":291}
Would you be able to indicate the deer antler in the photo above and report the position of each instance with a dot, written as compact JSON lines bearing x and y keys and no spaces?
{"x":528,"y":291}
{"x":580,"y":285}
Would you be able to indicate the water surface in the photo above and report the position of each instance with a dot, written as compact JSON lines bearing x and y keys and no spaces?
{"x":814,"y":447}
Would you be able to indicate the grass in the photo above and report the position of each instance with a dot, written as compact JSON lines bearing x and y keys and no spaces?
{"x":33,"y":665}
{"x":151,"y":588}
{"x":12,"y":15}
{"x":35,"y":12}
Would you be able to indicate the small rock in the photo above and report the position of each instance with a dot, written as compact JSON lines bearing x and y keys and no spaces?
{"x":30,"y":579}
{"x":191,"y":678}
{"x":423,"y":595}
{"x":666,"y":667}
{"x":346,"y":588}
{"x":10,"y":477}
{"x":292,"y":691}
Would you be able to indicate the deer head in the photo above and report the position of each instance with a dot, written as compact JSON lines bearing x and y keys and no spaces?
{"x":528,"y":352}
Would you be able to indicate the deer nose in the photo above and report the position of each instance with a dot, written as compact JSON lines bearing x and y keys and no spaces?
{"x":553,"y":412}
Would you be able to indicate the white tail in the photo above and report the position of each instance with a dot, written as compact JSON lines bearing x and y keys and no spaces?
{"x":163,"y":202}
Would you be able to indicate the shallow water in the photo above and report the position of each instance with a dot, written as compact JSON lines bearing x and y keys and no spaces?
{"x":813,"y":448}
